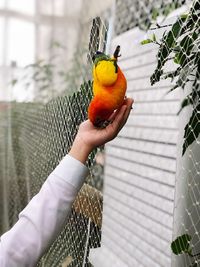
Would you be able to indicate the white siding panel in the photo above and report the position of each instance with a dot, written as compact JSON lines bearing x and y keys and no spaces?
{"x":138,"y":61}
{"x":138,"y":192}
{"x":161,"y":108}
{"x":140,"y":165}
{"x":135,"y":244}
{"x":163,"y":150}
{"x":147,"y":209}
{"x":143,"y":83}
{"x":134,"y":168}
{"x":154,"y":227}
{"x":154,"y":95}
{"x":154,"y":121}
{"x":155,"y":135}
{"x":131,"y":227}
{"x":147,"y":184}
{"x":142,"y":158}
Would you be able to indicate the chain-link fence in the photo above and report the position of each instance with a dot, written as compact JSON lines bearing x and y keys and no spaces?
{"x":142,"y":172}
{"x":131,"y":14}
{"x":140,"y":164}
{"x":34,"y":138}
{"x":178,"y":59}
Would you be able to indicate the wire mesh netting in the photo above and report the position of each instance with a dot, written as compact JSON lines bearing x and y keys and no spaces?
{"x":34,"y":138}
{"x":173,"y":32}
{"x":35,"y":135}
{"x":178,"y":59}
{"x":131,"y":14}
{"x":177,"y":39}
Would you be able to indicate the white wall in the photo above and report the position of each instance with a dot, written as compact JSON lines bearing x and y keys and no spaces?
{"x":140,"y":167}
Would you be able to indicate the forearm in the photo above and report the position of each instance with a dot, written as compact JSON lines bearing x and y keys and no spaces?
{"x":80,"y":150}
{"x":44,"y":217}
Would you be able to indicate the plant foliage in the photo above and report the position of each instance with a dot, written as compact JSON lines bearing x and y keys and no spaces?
{"x":182,"y":44}
{"x":181,"y":244}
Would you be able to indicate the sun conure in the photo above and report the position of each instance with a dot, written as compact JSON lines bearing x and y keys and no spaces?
{"x":109,"y":87}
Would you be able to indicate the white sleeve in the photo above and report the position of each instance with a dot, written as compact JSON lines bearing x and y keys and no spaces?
{"x":44,"y":217}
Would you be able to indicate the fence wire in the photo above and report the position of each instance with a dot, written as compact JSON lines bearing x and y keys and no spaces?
{"x":172,"y":28}
{"x":34,"y":137}
{"x":178,"y":60}
{"x":131,"y":14}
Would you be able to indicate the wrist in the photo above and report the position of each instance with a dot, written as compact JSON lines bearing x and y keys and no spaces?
{"x":80,"y":150}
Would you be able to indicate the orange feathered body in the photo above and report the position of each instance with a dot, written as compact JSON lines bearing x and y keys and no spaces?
{"x":109,"y":89}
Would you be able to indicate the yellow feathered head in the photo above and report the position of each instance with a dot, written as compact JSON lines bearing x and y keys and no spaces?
{"x":105,"y":68}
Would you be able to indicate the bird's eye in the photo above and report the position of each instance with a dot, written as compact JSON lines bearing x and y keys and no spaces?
{"x":97,"y":54}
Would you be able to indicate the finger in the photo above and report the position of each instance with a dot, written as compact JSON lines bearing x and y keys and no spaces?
{"x":127,"y":113}
{"x":122,"y":116}
{"x":129,"y":101}
{"x":114,"y":114}
{"x":118,"y":119}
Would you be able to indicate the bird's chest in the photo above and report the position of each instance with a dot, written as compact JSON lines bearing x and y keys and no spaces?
{"x":114,"y":95}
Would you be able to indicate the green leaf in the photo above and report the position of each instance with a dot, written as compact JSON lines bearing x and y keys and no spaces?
{"x":172,"y":74}
{"x":186,"y":101}
{"x":177,"y":48}
{"x":183,"y":57}
{"x":181,"y":244}
{"x":177,"y":58}
{"x":196,"y":6}
{"x":168,"y":42}
{"x":183,"y":77}
{"x":172,"y":89}
{"x":156,"y":76}
{"x":147,"y":41}
{"x":184,"y":16}
{"x":173,"y":34}
{"x":154,"y":37}
{"x":192,"y":129}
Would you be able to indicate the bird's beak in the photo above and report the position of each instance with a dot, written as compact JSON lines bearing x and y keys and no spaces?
{"x":116,"y":53}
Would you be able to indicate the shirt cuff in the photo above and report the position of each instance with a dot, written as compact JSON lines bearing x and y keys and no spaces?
{"x":72,"y":171}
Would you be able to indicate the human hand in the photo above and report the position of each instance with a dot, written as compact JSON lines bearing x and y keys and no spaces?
{"x":90,"y":137}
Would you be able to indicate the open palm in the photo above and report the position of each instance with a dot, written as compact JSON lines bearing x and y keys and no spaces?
{"x":94,"y":137}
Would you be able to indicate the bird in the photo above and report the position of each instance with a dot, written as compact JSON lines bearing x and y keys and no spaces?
{"x":109,"y":88}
